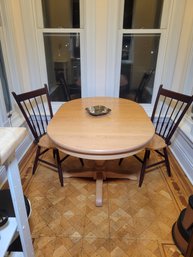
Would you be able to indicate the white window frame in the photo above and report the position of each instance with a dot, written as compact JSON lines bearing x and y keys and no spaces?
{"x":11,"y":61}
{"x":162,"y":45}
{"x":4,"y":119}
{"x":170,"y":31}
{"x":41,"y":50}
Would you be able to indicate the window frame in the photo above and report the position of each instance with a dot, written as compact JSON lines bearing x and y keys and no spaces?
{"x":163,"y":31}
{"x":4,"y":120}
{"x":41,"y":49}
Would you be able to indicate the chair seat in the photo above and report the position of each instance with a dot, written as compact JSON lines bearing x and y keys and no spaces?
{"x":156,"y":143}
{"x":45,"y":142}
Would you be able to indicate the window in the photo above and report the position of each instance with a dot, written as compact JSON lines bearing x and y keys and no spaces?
{"x":61,"y":38}
{"x":5,"y":99}
{"x":142,"y":14}
{"x":61,"y":14}
{"x":4,"y":83}
{"x":141,"y":32}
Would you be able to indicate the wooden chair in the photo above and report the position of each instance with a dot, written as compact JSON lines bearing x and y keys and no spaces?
{"x":136,"y":95}
{"x":142,"y":86}
{"x":37,"y":111}
{"x":71,"y":91}
{"x":169,"y":109}
{"x":62,"y":83}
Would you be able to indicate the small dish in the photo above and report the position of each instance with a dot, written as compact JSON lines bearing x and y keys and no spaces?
{"x":97,"y":110}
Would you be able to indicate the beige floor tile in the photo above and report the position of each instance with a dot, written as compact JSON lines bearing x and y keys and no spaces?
{"x":133,"y":221}
{"x":134,"y":248}
{"x":95,"y":247}
{"x":58,"y":247}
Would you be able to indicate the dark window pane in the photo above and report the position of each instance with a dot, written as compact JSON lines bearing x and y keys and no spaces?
{"x":63,"y":65}
{"x":138,"y":64}
{"x":61,"y":13}
{"x":144,"y":14}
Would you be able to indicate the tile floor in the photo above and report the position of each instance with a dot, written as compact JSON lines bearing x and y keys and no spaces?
{"x":133,"y":221}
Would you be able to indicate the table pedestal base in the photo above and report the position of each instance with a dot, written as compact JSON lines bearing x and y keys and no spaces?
{"x":99,"y":173}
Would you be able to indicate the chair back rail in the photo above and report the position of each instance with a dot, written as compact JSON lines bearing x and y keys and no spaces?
{"x":35,"y":107}
{"x":167,"y":116}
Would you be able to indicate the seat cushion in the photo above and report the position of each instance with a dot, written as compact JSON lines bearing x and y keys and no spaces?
{"x":46,"y":142}
{"x":156,"y":143}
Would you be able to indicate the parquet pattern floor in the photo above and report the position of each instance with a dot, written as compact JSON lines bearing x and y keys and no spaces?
{"x":133,"y":221}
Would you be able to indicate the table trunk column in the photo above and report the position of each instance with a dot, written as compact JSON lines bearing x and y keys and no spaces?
{"x":99,"y":176}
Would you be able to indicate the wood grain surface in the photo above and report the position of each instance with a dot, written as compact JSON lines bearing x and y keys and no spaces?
{"x":126,"y":129}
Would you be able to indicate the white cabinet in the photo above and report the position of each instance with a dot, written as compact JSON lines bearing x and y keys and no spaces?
{"x":10,"y":138}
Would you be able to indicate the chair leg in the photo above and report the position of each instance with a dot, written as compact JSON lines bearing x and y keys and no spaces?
{"x":60,"y":172}
{"x":167,"y":161}
{"x":120,"y":161}
{"x":54,"y":153}
{"x":81,"y":161}
{"x":36,"y":159}
{"x":142,"y":174}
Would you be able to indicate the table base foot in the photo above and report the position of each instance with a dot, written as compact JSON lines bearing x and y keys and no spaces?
{"x":99,"y":189}
{"x":99,"y":174}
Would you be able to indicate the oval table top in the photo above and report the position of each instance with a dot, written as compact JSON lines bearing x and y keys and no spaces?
{"x":124,"y":130}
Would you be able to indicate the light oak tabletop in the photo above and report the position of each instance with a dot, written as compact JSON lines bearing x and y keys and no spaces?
{"x":123,"y":131}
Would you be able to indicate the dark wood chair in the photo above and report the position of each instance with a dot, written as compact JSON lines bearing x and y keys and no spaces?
{"x":71,"y":91}
{"x":169,"y":109}
{"x":142,"y":86}
{"x":37,"y":111}
{"x":61,"y":81}
{"x":137,"y":94}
